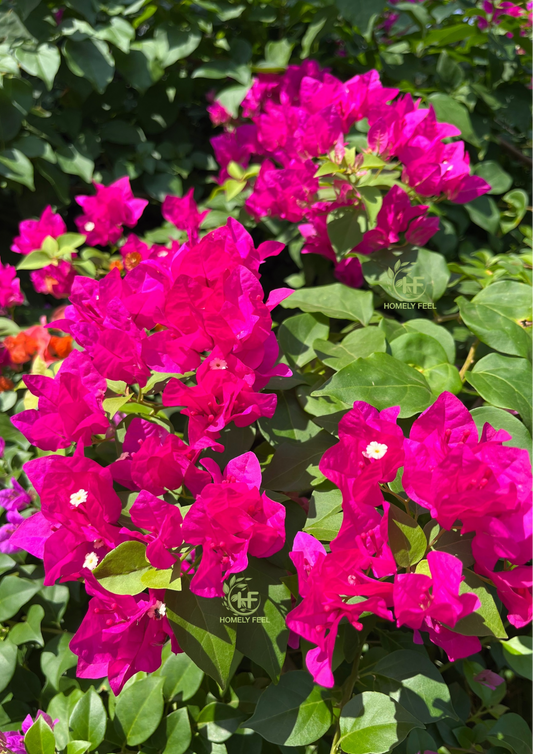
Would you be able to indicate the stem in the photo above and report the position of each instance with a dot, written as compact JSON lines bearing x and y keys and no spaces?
{"x":404,"y":501}
{"x":469,"y":360}
{"x":350,"y":683}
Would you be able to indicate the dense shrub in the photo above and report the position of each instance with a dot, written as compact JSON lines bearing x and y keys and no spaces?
{"x":229,"y":526}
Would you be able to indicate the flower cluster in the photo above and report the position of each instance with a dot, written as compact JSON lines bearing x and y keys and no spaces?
{"x":305,"y":114}
{"x":196,"y":311}
{"x":467,"y":484}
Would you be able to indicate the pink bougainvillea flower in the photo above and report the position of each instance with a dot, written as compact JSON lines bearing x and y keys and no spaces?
{"x":70,"y":405}
{"x":396,"y":217}
{"x":223,"y":394}
{"x":13,"y":741}
{"x":461,"y":479}
{"x":7,"y":530}
{"x":183,"y":213}
{"x":235,"y":146}
{"x":120,"y":636}
{"x":163,"y":522}
{"x":489,"y":678}
{"x":10,"y":293}
{"x":15,"y":498}
{"x":107,"y":211}
{"x":155,"y":460}
{"x":231,"y":519}
{"x":283,"y":192}
{"x":366,"y":529}
{"x":33,"y":232}
{"x":54,"y":279}
{"x":434,"y":604}
{"x":75,"y":527}
{"x":514,"y":590}
{"x":328,"y":582}
{"x":369,"y":452}
{"x":218,"y":114}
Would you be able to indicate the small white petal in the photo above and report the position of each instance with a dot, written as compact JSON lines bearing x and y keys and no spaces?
{"x":375,"y":450}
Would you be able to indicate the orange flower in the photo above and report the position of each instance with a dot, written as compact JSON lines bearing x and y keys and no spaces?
{"x":22,"y":347}
{"x":60,"y":346}
{"x":132,"y":259}
{"x":116,"y":264}
{"x":5,"y":384}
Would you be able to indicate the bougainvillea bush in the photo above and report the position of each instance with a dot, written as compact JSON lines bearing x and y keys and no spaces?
{"x":265,"y":378}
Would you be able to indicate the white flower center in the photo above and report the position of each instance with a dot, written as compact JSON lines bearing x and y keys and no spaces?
{"x":89,"y":226}
{"x":218,"y":364}
{"x":157,"y":611}
{"x":79,"y":497}
{"x":375,"y":450}
{"x":91,"y":561}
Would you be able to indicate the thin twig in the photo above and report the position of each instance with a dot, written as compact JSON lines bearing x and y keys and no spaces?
{"x":469,"y":360}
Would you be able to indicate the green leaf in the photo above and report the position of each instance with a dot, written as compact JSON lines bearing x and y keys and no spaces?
{"x":416,"y":684}
{"x":361,"y":14}
{"x":290,"y":422}
{"x":449,"y":110}
{"x":357,"y":345}
{"x":422,"y":275}
{"x":277,"y":56}
{"x":426,"y":354}
{"x":407,"y":540}
{"x":40,"y":738}
{"x":485,"y":621}
{"x":16,"y":166}
{"x":121,"y":570}
{"x":77,"y":747}
{"x":43,"y":62}
{"x":499,"y":419}
{"x":57,"y":658}
{"x":518,"y":653}
{"x":139,"y":710}
{"x":209,"y":642}
{"x":325,"y":514}
{"x":504,"y":382}
{"x":449,"y":71}
{"x":484,"y":212}
{"x":112,"y":405}
{"x":8,"y":662}
{"x":90,"y":59}
{"x":372,"y":723}
{"x":290,"y":468}
{"x":74,"y":163}
{"x":438,"y":332}
{"x":346,"y":226}
{"x":182,"y":677}
{"x":218,"y":721}
{"x":382,"y":381}
{"x":174,"y":44}
{"x":60,"y":708}
{"x":495,"y":313}
{"x":495,"y":175}
{"x":14,"y":593}
{"x":337,"y":301}
{"x":373,"y":199}
{"x":177,"y":732}
{"x":511,"y":732}
{"x":517,"y":200}
{"x":30,"y":629}
{"x":88,"y":720}
{"x":118,"y":31}
{"x":296,"y":712}
{"x":264,"y":638}
{"x":297,"y":334}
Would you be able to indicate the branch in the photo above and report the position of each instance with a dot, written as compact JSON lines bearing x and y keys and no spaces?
{"x":520,"y":156}
{"x":469,"y":360}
